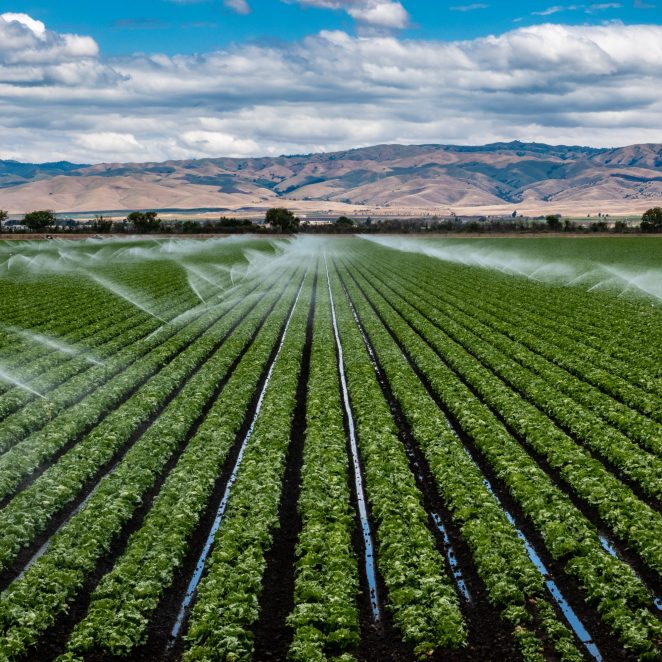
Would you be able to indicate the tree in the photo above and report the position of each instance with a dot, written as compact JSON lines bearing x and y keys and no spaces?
{"x":282,"y":219}
{"x":651,"y":221}
{"x":344,"y":222}
{"x":39,"y":220}
{"x":3,"y":217}
{"x":102,"y":225}
{"x":554,"y":222}
{"x":144,"y":221}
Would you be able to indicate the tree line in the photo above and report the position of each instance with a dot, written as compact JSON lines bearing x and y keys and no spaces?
{"x":282,"y":220}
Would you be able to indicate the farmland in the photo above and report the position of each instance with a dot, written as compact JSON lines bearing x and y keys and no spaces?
{"x":349,"y":449}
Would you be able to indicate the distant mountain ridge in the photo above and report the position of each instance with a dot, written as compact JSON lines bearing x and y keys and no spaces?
{"x":390,"y":177}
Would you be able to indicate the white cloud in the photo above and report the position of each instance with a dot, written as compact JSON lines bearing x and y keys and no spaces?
{"x":473,"y":7}
{"x":239,"y":6}
{"x":26,"y":40}
{"x":213,"y":143}
{"x":377,"y":13}
{"x":595,"y":85}
{"x":108,"y":142}
{"x":36,"y":27}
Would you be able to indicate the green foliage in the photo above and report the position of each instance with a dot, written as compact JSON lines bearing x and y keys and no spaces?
{"x":40,"y":220}
{"x":158,"y":549}
{"x":567,"y":533}
{"x":554,"y":222}
{"x":422,"y":599}
{"x":283,"y":220}
{"x":344,"y":222}
{"x":325,"y":616}
{"x":651,"y":221}
{"x":555,"y":390}
{"x":144,"y":221}
{"x":226,"y":608}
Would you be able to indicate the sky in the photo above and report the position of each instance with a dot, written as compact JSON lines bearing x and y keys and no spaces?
{"x":176,"y":79}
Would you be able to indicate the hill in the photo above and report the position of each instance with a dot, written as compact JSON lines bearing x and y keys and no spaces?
{"x":494,"y":178}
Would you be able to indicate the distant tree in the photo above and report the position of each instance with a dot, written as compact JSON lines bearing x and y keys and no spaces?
{"x":553,"y":222}
{"x":651,"y":221}
{"x":39,"y":220}
{"x":191,"y":227}
{"x":144,"y":221}
{"x":344,"y":222}
{"x":3,"y":217}
{"x":282,"y":219}
{"x":101,"y":224}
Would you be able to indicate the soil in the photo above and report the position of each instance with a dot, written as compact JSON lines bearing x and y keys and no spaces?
{"x":607,"y":643}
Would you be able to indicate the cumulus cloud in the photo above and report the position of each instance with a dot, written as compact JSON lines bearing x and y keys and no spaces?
{"x":377,"y":13}
{"x":596,"y":85}
{"x":26,"y":40}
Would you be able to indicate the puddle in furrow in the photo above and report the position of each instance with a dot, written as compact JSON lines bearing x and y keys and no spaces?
{"x":449,"y":552}
{"x":452,"y":559}
{"x":605,"y":541}
{"x":356,"y":464}
{"x":568,"y":612}
{"x":220,"y":513}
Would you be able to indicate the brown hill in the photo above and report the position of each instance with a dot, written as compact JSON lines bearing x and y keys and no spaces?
{"x":400,"y":178}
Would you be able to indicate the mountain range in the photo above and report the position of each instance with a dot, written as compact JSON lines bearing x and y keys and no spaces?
{"x":391,"y":179}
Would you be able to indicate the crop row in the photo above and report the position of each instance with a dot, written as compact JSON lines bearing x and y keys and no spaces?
{"x":619,"y":596}
{"x":45,"y":368}
{"x":512,"y":581}
{"x":515,"y":343}
{"x":15,"y":426}
{"x":32,"y":603}
{"x":628,"y":517}
{"x":631,"y":381}
{"x":74,"y":315}
{"x":103,"y":378}
{"x":500,"y":357}
{"x":227,"y":605}
{"x":549,"y":309}
{"x":19,"y":462}
{"x":593,"y":319}
{"x":29,"y":512}
{"x":125,"y":599}
{"x":325,"y":620}
{"x":62,"y":368}
{"x":421,"y":596}
{"x":70,"y":320}
{"x":636,"y":464}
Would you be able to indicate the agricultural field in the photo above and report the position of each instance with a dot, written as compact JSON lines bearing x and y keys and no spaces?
{"x":331,"y":449}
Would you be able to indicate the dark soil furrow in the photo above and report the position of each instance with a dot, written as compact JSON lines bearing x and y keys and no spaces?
{"x":272,"y":635}
{"x":608,"y":645}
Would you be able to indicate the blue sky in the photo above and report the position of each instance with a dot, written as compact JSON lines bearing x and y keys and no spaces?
{"x":125,"y":26}
{"x":176,"y":79}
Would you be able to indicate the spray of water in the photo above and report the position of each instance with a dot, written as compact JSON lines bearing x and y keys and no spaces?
{"x":53,"y":343}
{"x":196,"y":291}
{"x":11,"y":378}
{"x":124,"y":293}
{"x":589,"y":274}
